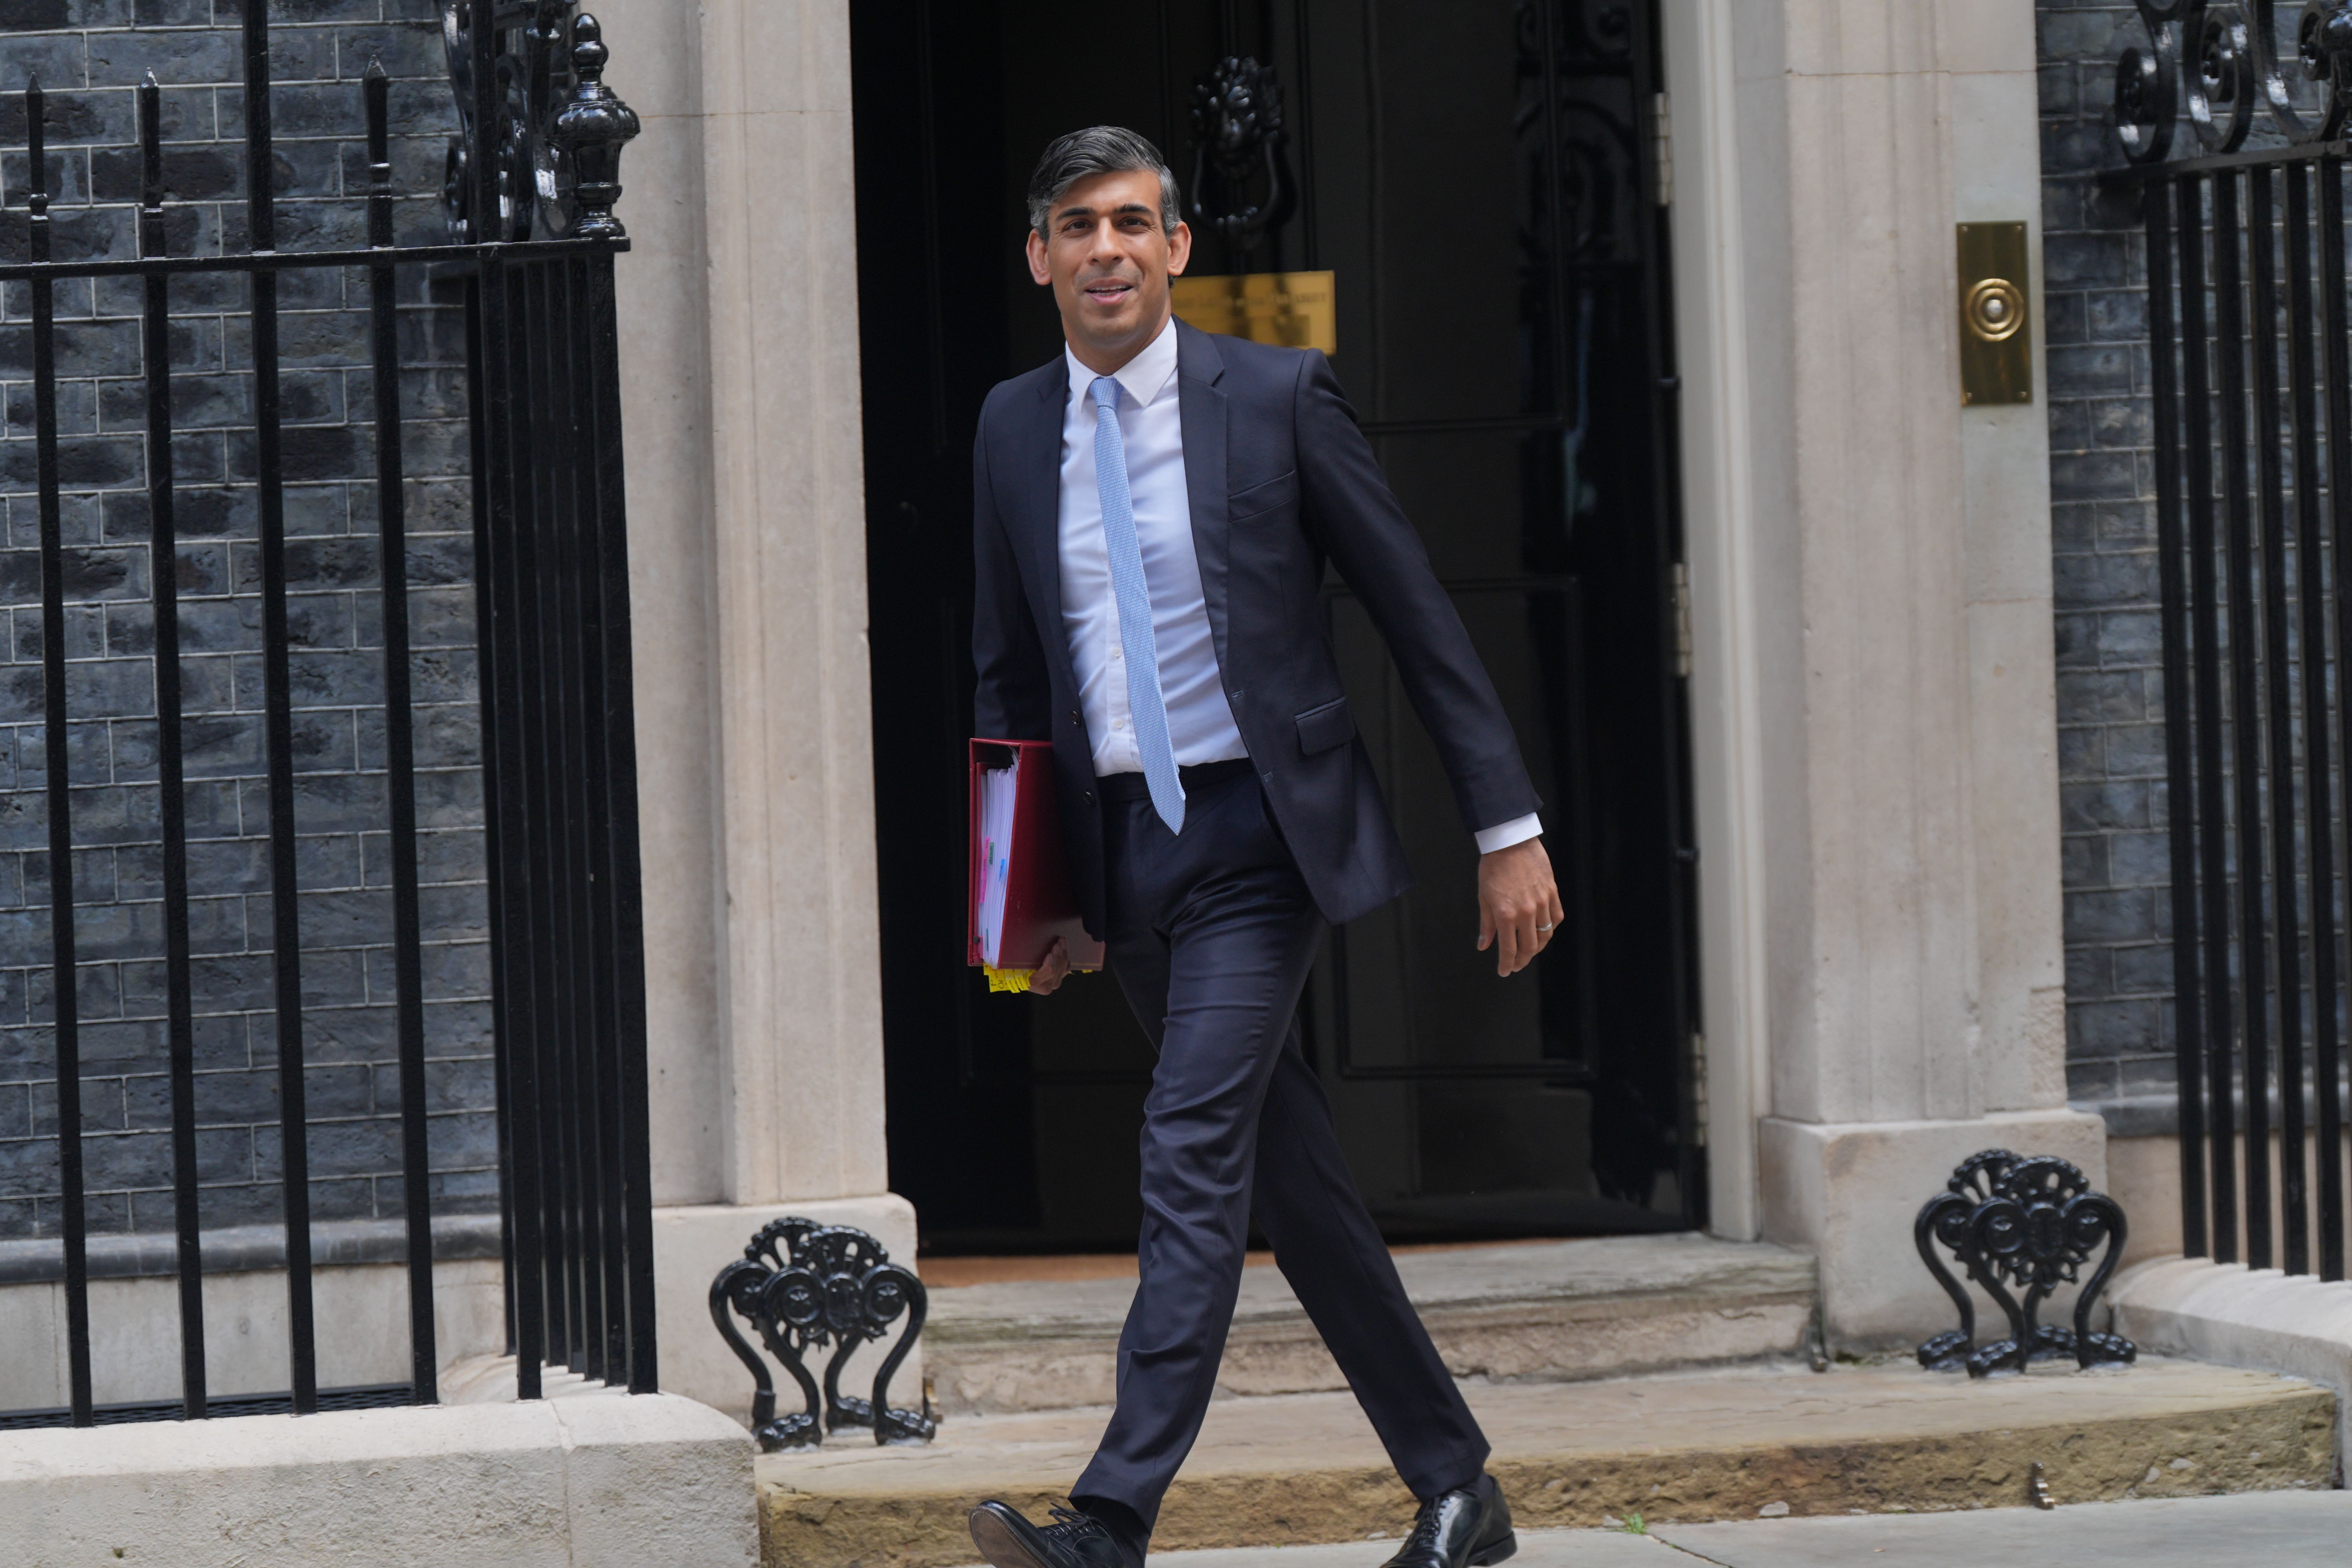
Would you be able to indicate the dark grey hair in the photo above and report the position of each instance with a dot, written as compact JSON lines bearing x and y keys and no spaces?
{"x":1097,"y":150}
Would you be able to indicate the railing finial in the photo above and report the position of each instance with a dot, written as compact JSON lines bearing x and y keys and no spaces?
{"x":151,"y":166}
{"x":592,"y":128}
{"x":376,"y":88}
{"x":36,"y":171}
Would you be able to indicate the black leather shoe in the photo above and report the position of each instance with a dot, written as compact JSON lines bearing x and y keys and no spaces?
{"x":1074,"y":1541}
{"x":1467,"y":1527}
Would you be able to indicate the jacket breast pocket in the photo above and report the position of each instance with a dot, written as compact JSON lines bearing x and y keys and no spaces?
{"x":1320,"y":729}
{"x":1279,"y":492}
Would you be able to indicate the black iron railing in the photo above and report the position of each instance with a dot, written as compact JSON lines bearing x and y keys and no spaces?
{"x":537,"y":156}
{"x":2251,"y":376}
{"x":559,"y":748}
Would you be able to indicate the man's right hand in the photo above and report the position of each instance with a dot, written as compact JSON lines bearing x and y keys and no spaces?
{"x":1051,"y":972}
{"x":1518,"y":904}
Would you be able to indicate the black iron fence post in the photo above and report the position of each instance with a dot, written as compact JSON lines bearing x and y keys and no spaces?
{"x":400,"y":746}
{"x":163,"y":551}
{"x":2188,"y":1005}
{"x":2337,"y":356}
{"x":278,"y":687}
{"x":2202,"y":703}
{"x":2312,"y":615}
{"x":73,"y":1222}
{"x":624,"y":936}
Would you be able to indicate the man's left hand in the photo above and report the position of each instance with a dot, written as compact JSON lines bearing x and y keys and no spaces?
{"x":1053,"y":972}
{"x":1518,"y":904}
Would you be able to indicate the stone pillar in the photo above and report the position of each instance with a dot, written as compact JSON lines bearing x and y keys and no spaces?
{"x":1876,"y":735}
{"x":748,"y":533}
{"x":802,"y":1002}
{"x":665,"y":414}
{"x":738,"y":305}
{"x":1996,"y":137}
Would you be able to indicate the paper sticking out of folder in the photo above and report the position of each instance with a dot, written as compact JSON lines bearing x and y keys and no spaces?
{"x":999,"y":792}
{"x":1020,"y":886}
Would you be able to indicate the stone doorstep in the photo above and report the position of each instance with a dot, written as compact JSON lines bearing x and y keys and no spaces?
{"x":1723,"y":1444}
{"x":1554,"y":1310}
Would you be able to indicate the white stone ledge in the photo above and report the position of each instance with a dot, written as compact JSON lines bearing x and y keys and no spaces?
{"x":242,"y":1248}
{"x":2237,"y":1315}
{"x":642,"y":1481}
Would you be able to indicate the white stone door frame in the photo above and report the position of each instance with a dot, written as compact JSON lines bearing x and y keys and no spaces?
{"x":1718,"y":484}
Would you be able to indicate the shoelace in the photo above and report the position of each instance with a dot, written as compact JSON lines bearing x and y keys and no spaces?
{"x":1072,"y":1523}
{"x":1424,"y":1528}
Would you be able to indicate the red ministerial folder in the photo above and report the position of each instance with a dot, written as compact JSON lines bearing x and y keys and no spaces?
{"x":1020,"y":896}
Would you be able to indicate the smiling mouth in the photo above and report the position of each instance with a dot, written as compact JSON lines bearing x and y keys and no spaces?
{"x":1109,"y":292}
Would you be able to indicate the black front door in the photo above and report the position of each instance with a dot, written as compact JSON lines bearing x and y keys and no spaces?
{"x":1479,"y":179}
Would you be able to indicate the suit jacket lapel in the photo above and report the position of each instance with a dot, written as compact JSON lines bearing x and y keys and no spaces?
{"x":1039,"y":520}
{"x":1201,"y":410}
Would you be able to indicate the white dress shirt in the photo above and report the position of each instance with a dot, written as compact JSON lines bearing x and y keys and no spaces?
{"x":1201,"y":727}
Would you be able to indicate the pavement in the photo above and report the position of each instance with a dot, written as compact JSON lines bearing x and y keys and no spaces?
{"x":2271,"y":1530}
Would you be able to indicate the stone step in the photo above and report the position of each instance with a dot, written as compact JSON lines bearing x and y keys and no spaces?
{"x":1550,"y":1311}
{"x":1680,"y":1447}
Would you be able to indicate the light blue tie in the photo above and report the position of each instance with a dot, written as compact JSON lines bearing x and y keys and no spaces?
{"x":1133,"y":595}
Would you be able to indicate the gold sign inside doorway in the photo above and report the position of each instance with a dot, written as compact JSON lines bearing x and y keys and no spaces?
{"x":1295,"y":310}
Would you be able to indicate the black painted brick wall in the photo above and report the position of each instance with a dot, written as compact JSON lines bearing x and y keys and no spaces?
{"x":2110,"y":681}
{"x":89,"y":54}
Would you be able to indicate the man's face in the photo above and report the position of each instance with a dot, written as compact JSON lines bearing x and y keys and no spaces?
{"x":1109,"y":261}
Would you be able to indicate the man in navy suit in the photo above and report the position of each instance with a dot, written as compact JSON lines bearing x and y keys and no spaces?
{"x":1154,"y":512}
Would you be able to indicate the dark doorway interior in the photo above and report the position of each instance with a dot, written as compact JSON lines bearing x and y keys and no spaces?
{"x":1479,"y":177}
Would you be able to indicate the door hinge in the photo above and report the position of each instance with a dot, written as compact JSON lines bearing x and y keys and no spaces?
{"x":1663,"y":114}
{"x":1682,"y":621}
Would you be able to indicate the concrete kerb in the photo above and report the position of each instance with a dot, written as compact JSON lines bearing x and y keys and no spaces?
{"x":2236,"y":1316}
{"x":646,"y":1481}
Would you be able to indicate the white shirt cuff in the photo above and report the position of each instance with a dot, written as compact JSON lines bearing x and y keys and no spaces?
{"x":1509,"y":833}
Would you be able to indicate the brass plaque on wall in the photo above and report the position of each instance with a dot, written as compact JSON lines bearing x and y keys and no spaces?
{"x":1996,"y":326}
{"x":1295,"y":310}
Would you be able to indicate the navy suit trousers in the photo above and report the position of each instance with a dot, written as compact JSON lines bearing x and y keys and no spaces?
{"x":1211,"y":935}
